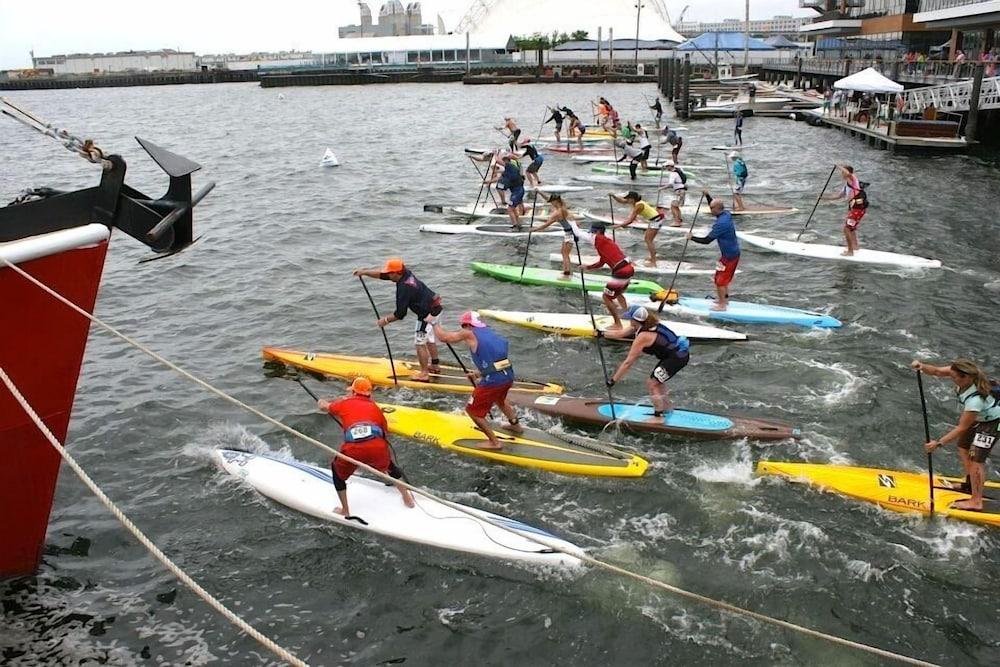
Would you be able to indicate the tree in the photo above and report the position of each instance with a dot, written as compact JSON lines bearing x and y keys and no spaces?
{"x":579,"y":35}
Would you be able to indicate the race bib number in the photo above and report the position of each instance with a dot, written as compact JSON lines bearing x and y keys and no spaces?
{"x":720,"y":267}
{"x":983,"y":440}
{"x":661,"y":374}
{"x":361,"y":432}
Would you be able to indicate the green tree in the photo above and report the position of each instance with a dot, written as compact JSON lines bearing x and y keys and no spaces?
{"x":579,"y":35}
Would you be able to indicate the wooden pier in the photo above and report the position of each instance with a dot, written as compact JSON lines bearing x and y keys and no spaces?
{"x":883,"y":135}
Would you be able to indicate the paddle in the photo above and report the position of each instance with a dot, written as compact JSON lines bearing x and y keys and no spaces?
{"x":729,"y":177}
{"x":542,"y":124}
{"x":818,"y":199}
{"x":593,"y":324}
{"x":481,"y":187}
{"x":927,"y":438}
{"x":611,"y":207}
{"x":670,"y":290}
{"x":531,"y":227}
{"x":388,"y":348}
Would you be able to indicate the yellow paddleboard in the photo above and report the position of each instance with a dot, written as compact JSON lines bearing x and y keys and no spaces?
{"x":379,"y":371}
{"x":531,"y":449}
{"x":891,"y":489}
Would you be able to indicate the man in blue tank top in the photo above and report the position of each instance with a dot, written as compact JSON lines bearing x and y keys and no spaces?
{"x":494,"y":374}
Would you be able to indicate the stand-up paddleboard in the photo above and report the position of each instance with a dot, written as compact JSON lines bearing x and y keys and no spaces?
{"x":662,"y":268}
{"x":553,"y":278}
{"x":574,"y":149}
{"x":737,"y":311}
{"x":906,"y":492}
{"x":488,"y":210}
{"x":588,"y":139}
{"x":557,"y":188}
{"x":329,"y":159}
{"x":734,"y":148}
{"x":379,"y":509}
{"x":489,"y":230}
{"x":580,"y":325}
{"x":531,"y":449}
{"x":641,"y":418}
{"x":651,"y":163}
{"x":667,"y":227}
{"x":379,"y":371}
{"x":622,"y":170}
{"x":836,"y":253}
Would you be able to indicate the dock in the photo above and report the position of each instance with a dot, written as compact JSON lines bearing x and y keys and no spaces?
{"x":882,"y":134}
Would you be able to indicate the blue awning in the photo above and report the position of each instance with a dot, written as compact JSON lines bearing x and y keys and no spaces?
{"x":724,"y":41}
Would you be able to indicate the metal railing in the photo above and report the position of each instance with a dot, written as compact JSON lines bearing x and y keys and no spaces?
{"x":929,"y":72}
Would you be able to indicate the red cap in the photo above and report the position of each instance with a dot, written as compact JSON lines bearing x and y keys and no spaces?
{"x":472,"y":319}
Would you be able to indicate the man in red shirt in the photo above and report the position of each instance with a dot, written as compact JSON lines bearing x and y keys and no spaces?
{"x":365,"y":431}
{"x":610,"y":254}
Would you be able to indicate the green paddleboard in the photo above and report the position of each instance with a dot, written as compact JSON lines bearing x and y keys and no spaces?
{"x":553,"y":278}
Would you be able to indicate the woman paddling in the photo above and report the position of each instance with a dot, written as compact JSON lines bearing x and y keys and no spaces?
{"x":641,"y":209}
{"x":976,"y":432}
{"x":559,"y":212}
{"x":654,"y":338}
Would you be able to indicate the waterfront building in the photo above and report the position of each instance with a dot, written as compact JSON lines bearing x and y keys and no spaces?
{"x":973,"y":23}
{"x":419,"y":50}
{"x":393,"y":21}
{"x":783,"y":25}
{"x":872,"y":29}
{"x":122,"y":61}
{"x":258,"y":60}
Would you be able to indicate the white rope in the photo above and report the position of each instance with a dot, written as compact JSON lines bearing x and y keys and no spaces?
{"x":140,"y":536}
{"x":717,"y":604}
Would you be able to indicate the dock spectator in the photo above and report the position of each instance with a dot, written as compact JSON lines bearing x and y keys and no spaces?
{"x":921,"y":62}
{"x":959,"y":60}
{"x":911,"y":59}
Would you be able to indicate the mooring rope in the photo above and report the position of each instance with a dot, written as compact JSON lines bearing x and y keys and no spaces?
{"x":583,"y":557}
{"x":183,"y":576}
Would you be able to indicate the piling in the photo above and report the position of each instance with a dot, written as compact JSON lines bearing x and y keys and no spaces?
{"x":686,"y":90}
{"x":972,"y":124}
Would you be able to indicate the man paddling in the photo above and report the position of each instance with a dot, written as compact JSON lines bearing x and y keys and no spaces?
{"x":675,"y":140}
{"x":556,"y":118}
{"x":738,"y":130}
{"x":576,"y":127}
{"x":724,"y":232}
{"x":365,"y":433}
{"x":857,"y":206}
{"x":513,"y":132}
{"x":977,"y":430}
{"x":536,"y":163}
{"x":658,"y":108}
{"x":494,"y":374}
{"x":611,"y":255}
{"x":415,"y":296}
{"x":657,"y":339}
{"x":740,"y":175}
{"x":511,"y":180}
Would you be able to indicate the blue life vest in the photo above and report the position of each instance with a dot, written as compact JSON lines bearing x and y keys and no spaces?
{"x":512,"y":178}
{"x":490,"y":357}
{"x":667,"y":344}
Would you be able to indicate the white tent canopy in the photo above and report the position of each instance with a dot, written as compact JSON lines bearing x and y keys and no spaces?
{"x":868,"y":81}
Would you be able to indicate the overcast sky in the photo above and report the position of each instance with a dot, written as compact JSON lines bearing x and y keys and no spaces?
{"x":207,"y":26}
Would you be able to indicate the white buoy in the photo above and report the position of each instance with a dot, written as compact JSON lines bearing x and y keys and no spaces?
{"x":281,"y":96}
{"x":329,"y":159}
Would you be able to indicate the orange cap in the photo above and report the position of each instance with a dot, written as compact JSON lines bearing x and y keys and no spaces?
{"x":362,"y":386}
{"x":393,"y":265}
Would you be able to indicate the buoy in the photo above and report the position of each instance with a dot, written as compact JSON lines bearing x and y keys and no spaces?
{"x":329,"y":159}
{"x":281,"y":96}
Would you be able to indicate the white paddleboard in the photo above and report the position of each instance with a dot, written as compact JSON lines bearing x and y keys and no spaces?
{"x":379,"y":509}
{"x":832,"y":252}
{"x":557,"y":188}
{"x":488,"y":210}
{"x":662,"y":268}
{"x":734,"y":148}
{"x":487,"y":230}
{"x":577,"y":324}
{"x":642,"y":224}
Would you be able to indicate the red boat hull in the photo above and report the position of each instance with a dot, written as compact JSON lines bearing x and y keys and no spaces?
{"x":42,"y":342}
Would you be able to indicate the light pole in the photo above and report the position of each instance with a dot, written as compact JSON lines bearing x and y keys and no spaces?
{"x":638,"y":12}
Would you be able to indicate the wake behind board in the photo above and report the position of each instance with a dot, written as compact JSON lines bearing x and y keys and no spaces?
{"x":641,"y":418}
{"x":531,"y":449}
{"x":553,"y":278}
{"x":378,"y":509}
{"x":580,"y":325}
{"x":832,"y":252}
{"x":895,"y":490}
{"x":737,"y":311}
{"x":379,"y":371}
{"x":488,"y":230}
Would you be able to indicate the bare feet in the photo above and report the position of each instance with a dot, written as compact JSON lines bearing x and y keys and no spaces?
{"x":421,"y":377}
{"x":968,"y":506}
{"x":718,"y":307}
{"x":341,"y":511}
{"x":650,"y":263}
{"x":847,"y":253}
{"x":408,"y":499}
{"x":493,"y":445}
{"x":434,"y":369}
{"x":677,"y":223}
{"x":514,"y":427}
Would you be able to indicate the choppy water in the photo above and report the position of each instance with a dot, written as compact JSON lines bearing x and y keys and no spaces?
{"x":281,"y":236}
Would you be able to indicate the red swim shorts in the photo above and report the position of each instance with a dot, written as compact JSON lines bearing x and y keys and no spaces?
{"x":484,"y":398}
{"x":854,"y":216}
{"x":725,"y":270}
{"x":374,"y":452}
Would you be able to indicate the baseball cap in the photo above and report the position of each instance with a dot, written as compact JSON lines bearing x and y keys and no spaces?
{"x":393,"y":265}
{"x":637,"y":313}
{"x":598,"y":226}
{"x":472,"y":319}
{"x":733,"y":155}
{"x":362,"y":385}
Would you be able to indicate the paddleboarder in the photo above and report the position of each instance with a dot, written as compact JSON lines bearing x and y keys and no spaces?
{"x":724,"y":232}
{"x":740,"y":175}
{"x":415,"y":296}
{"x":977,"y":429}
{"x":536,"y":163}
{"x":632,"y":153}
{"x":511,"y":180}
{"x":738,"y":130}
{"x":494,"y":374}
{"x":641,"y":209}
{"x":611,"y":255}
{"x":658,"y":108}
{"x":654,"y":338}
{"x":576,"y":128}
{"x":365,"y":433}
{"x":675,"y":182}
{"x":644,"y":145}
{"x":556,"y":118}
{"x":513,"y":132}
{"x":675,"y":140}
{"x":857,"y":206}
{"x":559,"y":213}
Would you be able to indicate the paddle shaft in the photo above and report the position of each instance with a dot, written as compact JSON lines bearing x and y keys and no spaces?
{"x":818,"y":199}
{"x":483,"y":174}
{"x":684,"y":250}
{"x":611,"y":207}
{"x":927,"y":438}
{"x":593,"y":323}
{"x":531,"y":227}
{"x":388,"y":348}
{"x":482,"y":186}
